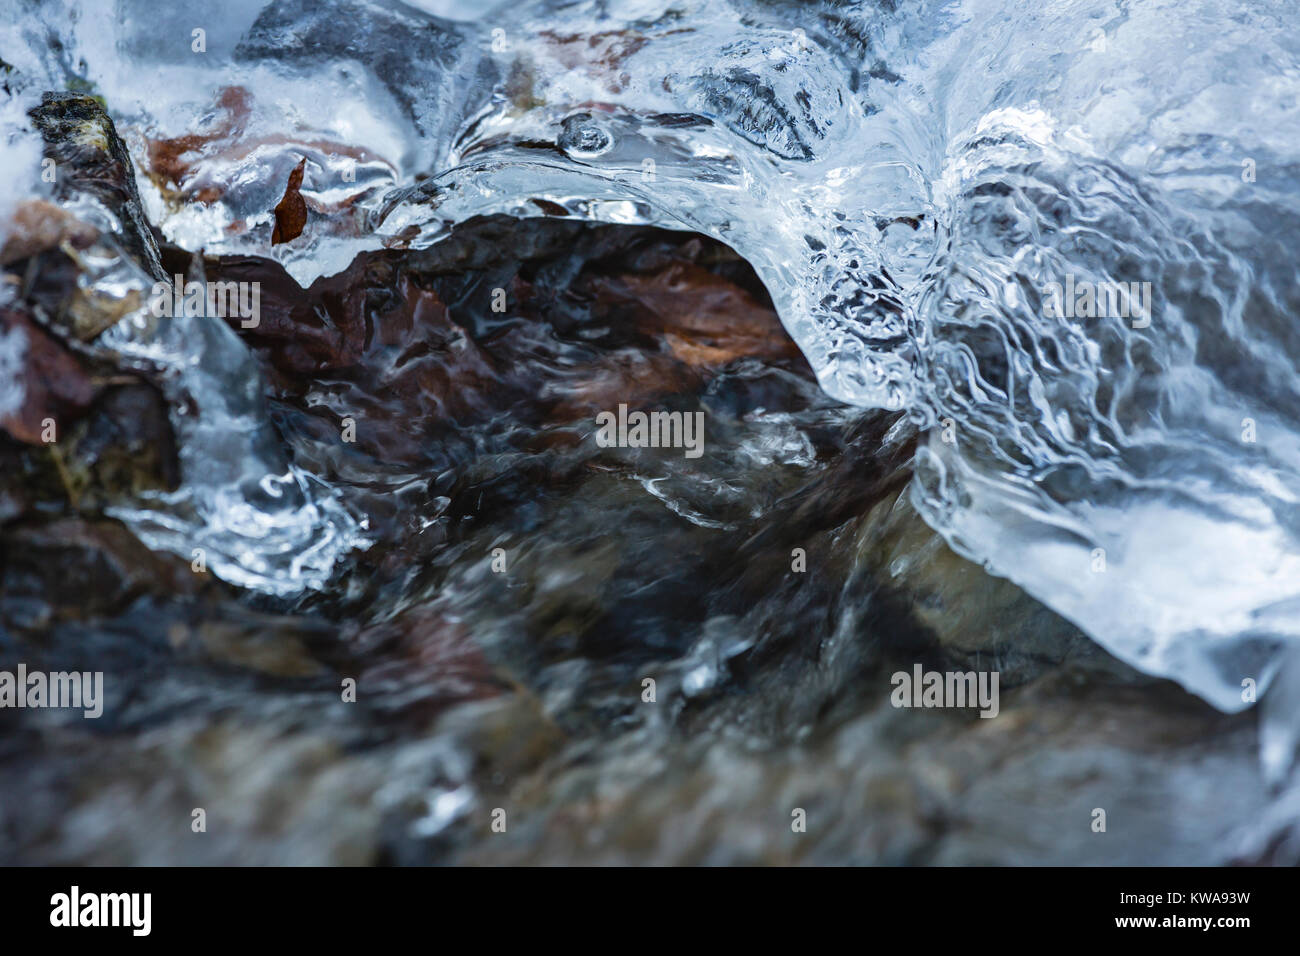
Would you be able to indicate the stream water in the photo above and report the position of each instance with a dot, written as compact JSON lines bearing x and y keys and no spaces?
{"x":1033,"y":269}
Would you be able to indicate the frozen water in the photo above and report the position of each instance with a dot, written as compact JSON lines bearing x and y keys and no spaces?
{"x":910,"y":180}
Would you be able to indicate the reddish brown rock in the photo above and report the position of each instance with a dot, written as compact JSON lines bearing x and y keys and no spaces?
{"x":56,"y":387}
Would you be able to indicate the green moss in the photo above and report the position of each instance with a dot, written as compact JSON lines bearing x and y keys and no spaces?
{"x":83,"y":86}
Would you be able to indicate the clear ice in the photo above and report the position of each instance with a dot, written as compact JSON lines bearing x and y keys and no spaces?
{"x":908,"y":178}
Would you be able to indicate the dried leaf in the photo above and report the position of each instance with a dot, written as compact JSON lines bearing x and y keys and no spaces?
{"x":291,"y":212}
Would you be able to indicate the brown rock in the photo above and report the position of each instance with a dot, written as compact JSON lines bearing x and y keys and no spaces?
{"x":55,"y":385}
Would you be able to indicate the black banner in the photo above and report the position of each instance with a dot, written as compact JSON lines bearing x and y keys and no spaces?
{"x":331,"y":907}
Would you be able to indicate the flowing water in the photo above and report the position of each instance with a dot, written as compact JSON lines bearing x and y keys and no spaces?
{"x":938,"y":200}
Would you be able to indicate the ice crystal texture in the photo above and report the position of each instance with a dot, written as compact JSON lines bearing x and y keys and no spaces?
{"x":910,"y":179}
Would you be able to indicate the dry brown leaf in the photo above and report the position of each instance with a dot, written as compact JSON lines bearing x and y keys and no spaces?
{"x":291,"y":212}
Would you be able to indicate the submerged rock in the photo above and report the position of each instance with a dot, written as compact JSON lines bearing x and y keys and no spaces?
{"x":92,"y":161}
{"x":525,"y":583}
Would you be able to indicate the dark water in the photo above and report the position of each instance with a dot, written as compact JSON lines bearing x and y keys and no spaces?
{"x":364,"y":585}
{"x":523,"y":689}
